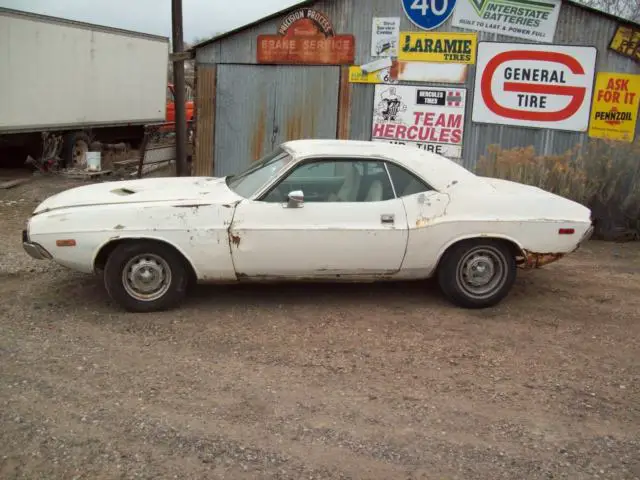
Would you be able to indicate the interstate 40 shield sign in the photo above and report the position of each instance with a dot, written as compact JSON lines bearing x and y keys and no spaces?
{"x":529,"y":85}
{"x":430,"y":118}
{"x":428,"y":14}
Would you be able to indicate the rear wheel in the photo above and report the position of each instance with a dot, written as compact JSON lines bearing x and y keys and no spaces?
{"x":477,"y":273}
{"x":145,"y":276}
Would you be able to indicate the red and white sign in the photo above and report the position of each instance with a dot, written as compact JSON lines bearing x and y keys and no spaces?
{"x":430,"y":118}
{"x":529,"y":85}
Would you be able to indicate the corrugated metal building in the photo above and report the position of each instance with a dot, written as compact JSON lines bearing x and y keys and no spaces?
{"x":244,"y":109}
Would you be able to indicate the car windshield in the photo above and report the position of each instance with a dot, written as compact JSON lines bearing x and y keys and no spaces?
{"x":247,"y":183}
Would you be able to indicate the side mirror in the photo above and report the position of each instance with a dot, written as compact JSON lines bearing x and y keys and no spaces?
{"x":296,"y":199}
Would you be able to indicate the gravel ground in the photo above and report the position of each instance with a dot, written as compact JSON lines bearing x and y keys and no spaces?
{"x":319,"y":381}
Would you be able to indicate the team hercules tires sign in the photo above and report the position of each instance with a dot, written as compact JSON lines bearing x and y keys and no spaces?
{"x":529,"y":85}
{"x":430,"y":118}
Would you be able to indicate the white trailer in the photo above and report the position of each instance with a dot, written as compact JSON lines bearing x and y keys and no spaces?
{"x":64,"y":84}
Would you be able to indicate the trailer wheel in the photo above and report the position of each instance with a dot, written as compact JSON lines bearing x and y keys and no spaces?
{"x":74,"y":151}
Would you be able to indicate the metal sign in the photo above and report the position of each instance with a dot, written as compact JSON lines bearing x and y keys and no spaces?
{"x":428,"y":14}
{"x":541,"y":86}
{"x":356,"y":75}
{"x":384,"y":36}
{"x":614,"y":113}
{"x":442,"y":47}
{"x":430,"y":118}
{"x":531,"y":20}
{"x":306,"y":36}
{"x":626,"y":41}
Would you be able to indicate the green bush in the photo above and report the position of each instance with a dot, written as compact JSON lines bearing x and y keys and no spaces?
{"x":604,"y":176}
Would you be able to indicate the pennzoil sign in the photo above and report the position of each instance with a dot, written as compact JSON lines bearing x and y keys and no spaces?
{"x":306,"y":36}
{"x":529,"y":85}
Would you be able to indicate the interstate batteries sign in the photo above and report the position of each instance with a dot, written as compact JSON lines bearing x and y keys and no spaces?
{"x":540,"y":86}
{"x":528,"y":19}
{"x":306,"y":36}
{"x":615,"y":106}
{"x":429,"y":118}
{"x":441,"y":47}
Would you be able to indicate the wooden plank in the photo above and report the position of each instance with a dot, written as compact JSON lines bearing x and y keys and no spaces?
{"x":4,"y":185}
{"x":203,"y":163}
{"x":344,"y":104}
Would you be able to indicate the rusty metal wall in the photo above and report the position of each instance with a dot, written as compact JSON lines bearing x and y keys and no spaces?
{"x":576,"y":26}
{"x":261,"y":106}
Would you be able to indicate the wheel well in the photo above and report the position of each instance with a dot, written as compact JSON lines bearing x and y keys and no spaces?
{"x":107,"y":249}
{"x":513,"y":247}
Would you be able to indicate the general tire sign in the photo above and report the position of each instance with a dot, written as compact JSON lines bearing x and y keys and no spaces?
{"x":430,"y":118}
{"x":540,"y":86}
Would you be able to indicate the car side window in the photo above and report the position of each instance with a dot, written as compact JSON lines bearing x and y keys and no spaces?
{"x":405,"y":182}
{"x":336,"y":180}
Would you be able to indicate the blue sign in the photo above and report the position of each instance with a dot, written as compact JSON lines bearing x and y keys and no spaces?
{"x":428,"y":14}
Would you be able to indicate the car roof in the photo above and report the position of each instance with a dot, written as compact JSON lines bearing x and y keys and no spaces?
{"x":440,"y":172}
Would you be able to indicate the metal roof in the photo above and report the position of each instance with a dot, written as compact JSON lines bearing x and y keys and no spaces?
{"x":74,"y":23}
{"x":252,"y":24}
{"x":309,"y":2}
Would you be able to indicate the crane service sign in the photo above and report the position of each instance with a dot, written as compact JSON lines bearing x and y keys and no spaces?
{"x":306,"y":36}
{"x":431,"y":118}
{"x":527,"y":19}
{"x":615,"y":106}
{"x":539,"y":86}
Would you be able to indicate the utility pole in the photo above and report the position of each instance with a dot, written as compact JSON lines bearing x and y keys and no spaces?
{"x":178,"y":80}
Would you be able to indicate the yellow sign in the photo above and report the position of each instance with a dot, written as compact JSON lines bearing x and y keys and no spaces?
{"x":626,"y":41}
{"x":356,"y":75}
{"x":615,"y":106}
{"x":441,"y":47}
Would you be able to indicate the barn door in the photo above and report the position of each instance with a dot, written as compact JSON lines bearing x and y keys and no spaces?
{"x":261,"y":106}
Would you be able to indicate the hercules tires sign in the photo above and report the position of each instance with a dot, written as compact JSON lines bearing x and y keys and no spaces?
{"x":539,"y":86}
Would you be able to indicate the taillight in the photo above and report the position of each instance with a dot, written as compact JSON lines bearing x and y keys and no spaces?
{"x":566,"y":231}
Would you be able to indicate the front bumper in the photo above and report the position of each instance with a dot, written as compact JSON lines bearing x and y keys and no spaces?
{"x":33,"y":249}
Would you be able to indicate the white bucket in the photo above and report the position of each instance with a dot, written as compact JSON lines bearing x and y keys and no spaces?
{"x":93,"y":162}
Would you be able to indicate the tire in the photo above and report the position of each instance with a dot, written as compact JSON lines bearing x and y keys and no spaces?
{"x":156,"y":262}
{"x":69,"y":146}
{"x":473,"y":257}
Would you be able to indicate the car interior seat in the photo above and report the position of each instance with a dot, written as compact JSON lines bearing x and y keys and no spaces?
{"x":349,"y":190}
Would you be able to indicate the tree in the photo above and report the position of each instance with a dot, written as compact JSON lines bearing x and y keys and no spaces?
{"x":629,"y":9}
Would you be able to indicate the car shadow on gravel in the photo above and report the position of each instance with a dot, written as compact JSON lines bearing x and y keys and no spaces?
{"x":87,"y":292}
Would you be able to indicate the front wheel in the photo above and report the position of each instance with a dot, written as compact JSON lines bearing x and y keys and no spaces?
{"x":477,"y":273}
{"x":145,"y":276}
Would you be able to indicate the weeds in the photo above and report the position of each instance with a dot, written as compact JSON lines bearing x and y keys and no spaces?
{"x":604,"y":176}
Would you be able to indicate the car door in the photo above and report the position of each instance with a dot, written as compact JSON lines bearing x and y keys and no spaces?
{"x":349,"y":224}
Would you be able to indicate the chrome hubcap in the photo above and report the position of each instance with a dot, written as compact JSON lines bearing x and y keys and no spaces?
{"x":482,"y":272}
{"x":146,"y":277}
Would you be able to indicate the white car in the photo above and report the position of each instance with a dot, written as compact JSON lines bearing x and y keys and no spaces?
{"x":311,"y":210}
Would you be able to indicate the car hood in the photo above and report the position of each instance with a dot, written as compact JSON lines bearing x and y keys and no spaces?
{"x":196,"y":190}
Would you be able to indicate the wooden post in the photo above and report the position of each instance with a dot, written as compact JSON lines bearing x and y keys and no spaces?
{"x":203,"y":164}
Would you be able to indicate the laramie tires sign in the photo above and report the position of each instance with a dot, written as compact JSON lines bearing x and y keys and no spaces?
{"x":540,"y":86}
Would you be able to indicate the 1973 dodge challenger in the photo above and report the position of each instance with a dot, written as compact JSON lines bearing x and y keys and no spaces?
{"x":310,"y":210}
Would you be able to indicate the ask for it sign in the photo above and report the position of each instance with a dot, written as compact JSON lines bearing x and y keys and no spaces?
{"x":614,"y":113}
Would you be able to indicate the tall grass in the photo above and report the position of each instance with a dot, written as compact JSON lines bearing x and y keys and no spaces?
{"x":604,"y":176}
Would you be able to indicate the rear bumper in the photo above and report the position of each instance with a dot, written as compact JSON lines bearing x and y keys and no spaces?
{"x":33,"y":249}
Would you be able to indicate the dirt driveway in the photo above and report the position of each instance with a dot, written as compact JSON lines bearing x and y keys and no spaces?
{"x":293,"y":382}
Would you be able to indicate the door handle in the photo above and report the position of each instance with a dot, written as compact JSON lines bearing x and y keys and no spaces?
{"x":387,"y":218}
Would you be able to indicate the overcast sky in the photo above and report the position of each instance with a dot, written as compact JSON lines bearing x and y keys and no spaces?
{"x":202,"y":18}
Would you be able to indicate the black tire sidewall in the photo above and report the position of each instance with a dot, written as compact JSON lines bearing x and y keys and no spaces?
{"x":119,"y":258}
{"x":447,"y":272}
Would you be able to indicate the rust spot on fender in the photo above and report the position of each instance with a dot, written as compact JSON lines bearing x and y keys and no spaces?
{"x":536,"y":260}
{"x":235,"y":239}
{"x":118,"y":227}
